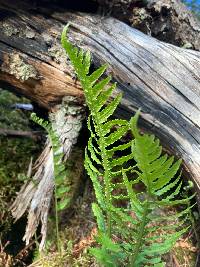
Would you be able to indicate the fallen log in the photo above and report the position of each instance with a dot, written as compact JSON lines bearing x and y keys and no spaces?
{"x":161,"y":79}
{"x":167,"y":20}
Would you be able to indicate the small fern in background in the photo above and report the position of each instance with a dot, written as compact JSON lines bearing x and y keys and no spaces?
{"x":59,"y":170}
{"x":132,"y":189}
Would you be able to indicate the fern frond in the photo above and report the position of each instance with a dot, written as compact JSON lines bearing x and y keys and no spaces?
{"x":97,"y":186}
{"x":131,"y":220}
{"x":146,"y":152}
{"x":97,"y":92}
{"x":100,"y":217}
{"x":59,"y":167}
{"x":93,"y":153}
{"x":108,"y":126}
{"x":156,"y":173}
{"x":97,"y":88}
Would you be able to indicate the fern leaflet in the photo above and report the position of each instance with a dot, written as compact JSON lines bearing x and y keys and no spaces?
{"x":126,"y":216}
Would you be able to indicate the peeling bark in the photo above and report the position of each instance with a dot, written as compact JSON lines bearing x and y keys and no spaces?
{"x":35,"y":196}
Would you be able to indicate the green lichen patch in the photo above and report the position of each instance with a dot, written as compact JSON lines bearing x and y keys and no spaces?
{"x":17,"y":66}
{"x":25,"y":32}
{"x":58,"y":55}
{"x":9,"y":30}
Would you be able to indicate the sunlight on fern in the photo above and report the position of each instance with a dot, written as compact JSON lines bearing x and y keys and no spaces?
{"x":133,"y":181}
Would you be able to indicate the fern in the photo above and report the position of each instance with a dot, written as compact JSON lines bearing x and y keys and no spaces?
{"x":128,"y":225}
{"x":59,"y":166}
{"x":59,"y":171}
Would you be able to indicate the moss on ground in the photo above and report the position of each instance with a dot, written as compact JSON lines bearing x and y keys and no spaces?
{"x":15,"y":156}
{"x":15,"y":152}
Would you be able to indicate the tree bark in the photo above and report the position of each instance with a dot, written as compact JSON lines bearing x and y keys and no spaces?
{"x":167,"y":20}
{"x":36,"y":194}
{"x":161,"y":79}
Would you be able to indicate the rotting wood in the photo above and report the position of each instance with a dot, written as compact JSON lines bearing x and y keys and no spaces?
{"x":36,"y":194}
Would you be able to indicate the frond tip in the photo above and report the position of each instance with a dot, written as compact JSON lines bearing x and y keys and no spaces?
{"x":128,"y":226}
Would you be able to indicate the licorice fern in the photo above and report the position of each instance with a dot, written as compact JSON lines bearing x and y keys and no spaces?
{"x":130,"y":220}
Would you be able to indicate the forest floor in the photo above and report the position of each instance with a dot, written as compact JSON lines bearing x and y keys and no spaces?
{"x":77,"y":223}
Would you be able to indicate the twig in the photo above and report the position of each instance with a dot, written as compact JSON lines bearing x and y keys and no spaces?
{"x":30,"y":134}
{"x":175,"y":261}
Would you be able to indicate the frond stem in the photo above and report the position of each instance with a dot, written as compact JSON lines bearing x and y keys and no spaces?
{"x":57,"y":221}
{"x":105,"y":161}
{"x":105,"y":164}
{"x":141,"y":232}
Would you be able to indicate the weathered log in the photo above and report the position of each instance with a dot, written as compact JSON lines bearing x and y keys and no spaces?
{"x":167,"y":20}
{"x":160,"y":78}
{"x":31,"y":59}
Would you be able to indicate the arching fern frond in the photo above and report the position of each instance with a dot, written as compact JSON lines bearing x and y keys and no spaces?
{"x":132,"y":187}
{"x":97,"y":93}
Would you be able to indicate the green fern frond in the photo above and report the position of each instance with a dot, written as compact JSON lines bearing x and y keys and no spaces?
{"x":156,"y":173}
{"x":61,"y":189}
{"x":97,"y":94}
{"x":124,"y":213}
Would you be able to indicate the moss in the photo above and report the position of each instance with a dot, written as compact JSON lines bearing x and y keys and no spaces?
{"x":11,"y":118}
{"x":15,"y":158}
{"x":15,"y":154}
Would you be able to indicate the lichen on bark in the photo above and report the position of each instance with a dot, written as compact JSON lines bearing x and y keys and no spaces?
{"x":15,"y":65}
